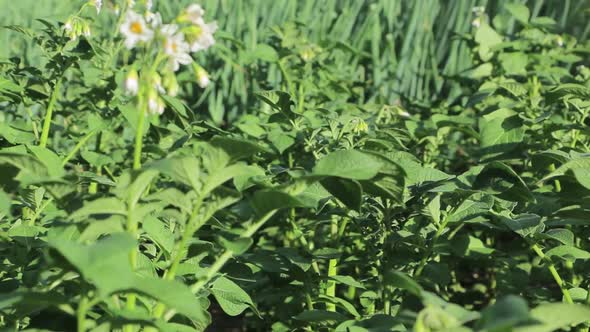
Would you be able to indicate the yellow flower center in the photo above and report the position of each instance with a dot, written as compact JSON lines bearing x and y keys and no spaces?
{"x":136,"y":27}
{"x":174,"y":47}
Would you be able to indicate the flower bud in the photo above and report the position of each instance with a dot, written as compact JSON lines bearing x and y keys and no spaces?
{"x":202,"y":76}
{"x":72,"y":27}
{"x":86,"y":30}
{"x":193,"y":14}
{"x":155,"y":103}
{"x":360,"y":126}
{"x":476,"y":23}
{"x":96,"y":4}
{"x":559,"y":41}
{"x":402,"y":113}
{"x":132,"y":82}
{"x":157,"y":83}
{"x":171,"y":84}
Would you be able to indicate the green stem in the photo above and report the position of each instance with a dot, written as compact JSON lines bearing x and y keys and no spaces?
{"x":192,"y":226}
{"x":304,"y":243}
{"x":220,"y":262}
{"x":49,"y":113}
{"x":77,"y":147}
{"x":132,"y":227}
{"x":430,"y":250}
{"x":386,"y":301}
{"x":139,"y":134}
{"x":554,"y":273}
{"x":331,"y":289}
{"x":332,"y":267}
{"x":81,"y":313}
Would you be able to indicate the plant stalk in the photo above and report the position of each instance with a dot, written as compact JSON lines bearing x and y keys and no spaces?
{"x":554,"y":273}
{"x":49,"y":114}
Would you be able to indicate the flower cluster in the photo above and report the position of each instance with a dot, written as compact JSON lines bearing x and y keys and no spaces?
{"x":76,"y":26}
{"x":172,"y":44}
{"x":178,"y":39}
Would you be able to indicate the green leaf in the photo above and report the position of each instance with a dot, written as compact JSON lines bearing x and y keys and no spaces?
{"x":96,"y":159}
{"x":433,"y":208}
{"x":237,"y":148}
{"x":569,"y":253}
{"x":319,"y":316}
{"x":105,"y":205}
{"x":221,"y":175}
{"x":553,"y":316}
{"x":265,"y":52}
{"x":579,"y":167}
{"x":185,"y":170}
{"x":519,"y":11}
{"x":231,"y":297}
{"x":30,"y":167}
{"x":348,"y":164}
{"x":267,"y":200}
{"x":49,"y":159}
{"x":104,"y":264}
{"x":5,"y":203}
{"x":499,"y":179}
{"x":565,"y":236}
{"x":237,"y":246}
{"x":347,"y":280}
{"x":347,"y":191}
{"x":506,"y":313}
{"x":525,"y":225}
{"x":15,"y":135}
{"x":341,"y":303}
{"x":401,"y":280}
{"x":177,"y":105}
{"x":173,"y":294}
{"x":157,"y":230}
{"x":500,"y":133}
{"x":487,"y":38}
{"x":472,"y":209}
{"x":279,"y":100}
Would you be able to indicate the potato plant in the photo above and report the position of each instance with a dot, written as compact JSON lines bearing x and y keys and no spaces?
{"x":158,"y":173}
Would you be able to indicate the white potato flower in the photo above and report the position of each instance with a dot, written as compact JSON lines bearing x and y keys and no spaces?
{"x":202,"y":76}
{"x":171,"y":84}
{"x":476,"y":23}
{"x":559,"y":41}
{"x":194,"y":13}
{"x":96,"y":4}
{"x":175,"y":47}
{"x":132,"y":83}
{"x":155,"y":105}
{"x":69,"y":26}
{"x":157,"y":83}
{"x":135,"y":30}
{"x":153,"y":19}
{"x":201,"y":37}
{"x":86,"y":31}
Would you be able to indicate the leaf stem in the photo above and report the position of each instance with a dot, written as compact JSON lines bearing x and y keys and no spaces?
{"x":220,"y":262}
{"x":430,"y":249}
{"x":139,"y":134}
{"x":332,"y":267}
{"x":49,"y":114}
{"x":554,"y":273}
{"x":78,"y":147}
{"x":192,"y":226}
